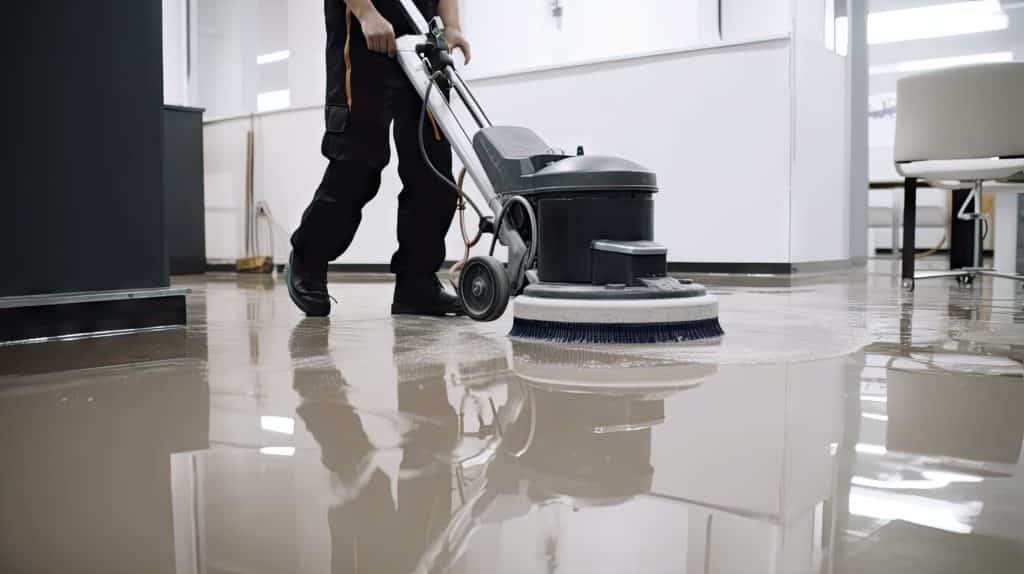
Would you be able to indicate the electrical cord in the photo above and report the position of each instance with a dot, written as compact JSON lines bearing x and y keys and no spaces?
{"x":426,"y":157}
{"x":934,"y":250}
{"x":263,"y":209}
{"x":532,"y":250}
{"x":457,"y":187}
{"x":464,"y":199}
{"x":469,"y":243}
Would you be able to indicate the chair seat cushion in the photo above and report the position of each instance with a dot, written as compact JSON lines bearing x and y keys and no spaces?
{"x":962,"y":169}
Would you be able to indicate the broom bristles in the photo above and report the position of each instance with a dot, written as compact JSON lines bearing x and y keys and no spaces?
{"x":617,"y":333}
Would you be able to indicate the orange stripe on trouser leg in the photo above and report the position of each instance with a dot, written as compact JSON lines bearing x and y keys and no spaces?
{"x":437,"y":132}
{"x":348,"y":57}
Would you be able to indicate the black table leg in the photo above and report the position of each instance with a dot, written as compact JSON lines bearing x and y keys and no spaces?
{"x":961,"y":233}
{"x":909,"y":229}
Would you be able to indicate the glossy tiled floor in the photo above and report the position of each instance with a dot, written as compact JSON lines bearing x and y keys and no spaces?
{"x":840,"y":427}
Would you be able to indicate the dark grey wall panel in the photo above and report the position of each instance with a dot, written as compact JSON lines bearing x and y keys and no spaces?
{"x":183,"y":190}
{"x":82,"y":168}
{"x":1020,"y":234}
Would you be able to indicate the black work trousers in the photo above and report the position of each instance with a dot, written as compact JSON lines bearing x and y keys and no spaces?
{"x":358,"y":147}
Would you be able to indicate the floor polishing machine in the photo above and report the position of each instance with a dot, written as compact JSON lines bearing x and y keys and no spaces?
{"x":582,"y":266}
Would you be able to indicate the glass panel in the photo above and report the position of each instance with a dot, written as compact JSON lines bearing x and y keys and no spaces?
{"x":244,"y":56}
{"x":516,"y":36}
{"x":263,"y":55}
{"x":907,"y":37}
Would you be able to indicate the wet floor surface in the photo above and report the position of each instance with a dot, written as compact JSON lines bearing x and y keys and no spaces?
{"x":840,"y":426}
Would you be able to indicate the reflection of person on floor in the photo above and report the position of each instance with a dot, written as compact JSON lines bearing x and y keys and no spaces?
{"x":369,"y":531}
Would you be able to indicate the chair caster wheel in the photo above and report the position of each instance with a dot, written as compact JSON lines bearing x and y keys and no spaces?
{"x":965,"y":281}
{"x":908,"y":284}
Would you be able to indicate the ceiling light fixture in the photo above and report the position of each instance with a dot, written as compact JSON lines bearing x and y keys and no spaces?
{"x":939,"y":21}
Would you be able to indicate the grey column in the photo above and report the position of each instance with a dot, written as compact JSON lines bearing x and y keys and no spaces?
{"x":857,"y":63}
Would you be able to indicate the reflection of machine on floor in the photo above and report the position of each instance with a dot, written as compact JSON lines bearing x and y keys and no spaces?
{"x":593,"y":450}
{"x":589,"y":448}
{"x":573,"y":438}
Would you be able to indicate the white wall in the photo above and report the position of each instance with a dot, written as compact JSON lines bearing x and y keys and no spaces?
{"x":721,"y":155}
{"x":175,"y":53}
{"x":752,"y":18}
{"x":721,"y":158}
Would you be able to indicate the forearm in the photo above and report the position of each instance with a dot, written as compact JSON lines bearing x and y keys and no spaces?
{"x":448,"y":10}
{"x":361,"y":8}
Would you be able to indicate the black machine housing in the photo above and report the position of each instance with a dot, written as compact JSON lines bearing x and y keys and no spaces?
{"x":595,"y":214}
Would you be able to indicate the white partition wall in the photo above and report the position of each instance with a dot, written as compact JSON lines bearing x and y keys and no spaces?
{"x":691,"y":117}
{"x":743,"y":114}
{"x":819,"y":190}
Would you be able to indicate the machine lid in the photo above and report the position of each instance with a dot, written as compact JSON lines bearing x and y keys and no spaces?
{"x":591,"y":173}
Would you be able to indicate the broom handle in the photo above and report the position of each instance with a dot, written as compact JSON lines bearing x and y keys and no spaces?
{"x":248,"y":194}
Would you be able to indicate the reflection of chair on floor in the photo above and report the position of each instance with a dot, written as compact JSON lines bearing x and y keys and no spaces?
{"x":933,"y":414}
{"x":962,"y":125}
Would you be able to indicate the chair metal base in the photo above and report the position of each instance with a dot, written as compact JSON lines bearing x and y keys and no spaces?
{"x":966,"y":275}
{"x":963,"y":276}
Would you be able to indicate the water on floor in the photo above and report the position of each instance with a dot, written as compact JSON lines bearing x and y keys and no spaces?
{"x":840,"y":427}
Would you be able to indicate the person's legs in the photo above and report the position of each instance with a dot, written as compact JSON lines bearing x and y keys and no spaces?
{"x":332,"y":218}
{"x":356,"y":143}
{"x":327,"y":229}
{"x":426,"y":206}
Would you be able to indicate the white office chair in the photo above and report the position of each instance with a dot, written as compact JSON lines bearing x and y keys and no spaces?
{"x":963,"y":125}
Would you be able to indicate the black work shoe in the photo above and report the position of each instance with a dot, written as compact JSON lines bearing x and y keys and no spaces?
{"x":424,"y":295}
{"x":307,"y":287}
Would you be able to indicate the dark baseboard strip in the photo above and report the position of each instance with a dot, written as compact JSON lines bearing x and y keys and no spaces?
{"x":761,"y":268}
{"x":823,"y":266}
{"x":42,"y":318}
{"x":888,"y":251}
{"x":188,"y":265}
{"x":730,"y":268}
{"x":379,"y":268}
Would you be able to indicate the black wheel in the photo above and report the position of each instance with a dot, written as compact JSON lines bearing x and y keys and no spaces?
{"x":484,"y":288}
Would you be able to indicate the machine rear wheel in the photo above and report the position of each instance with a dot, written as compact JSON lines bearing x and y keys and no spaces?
{"x":484,"y":288}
